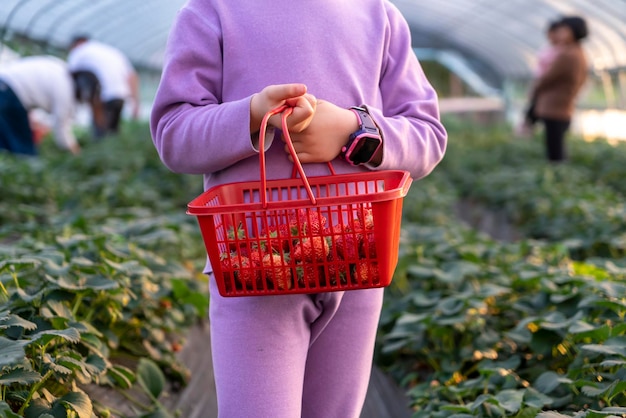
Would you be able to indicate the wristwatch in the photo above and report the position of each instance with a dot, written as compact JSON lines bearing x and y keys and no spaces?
{"x":363,"y":143}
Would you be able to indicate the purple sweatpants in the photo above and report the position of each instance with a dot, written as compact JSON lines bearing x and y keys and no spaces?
{"x":294,"y":356}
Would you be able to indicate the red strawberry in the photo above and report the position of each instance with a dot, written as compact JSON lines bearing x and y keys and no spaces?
{"x":308,"y":273}
{"x":368,"y":246}
{"x":366,"y":218}
{"x":348,"y":245}
{"x":255,"y":257}
{"x":337,"y":270}
{"x":277,"y":237}
{"x":242,"y":268}
{"x":366,"y":273}
{"x":307,"y":222}
{"x":311,"y":249}
{"x":277,"y":271}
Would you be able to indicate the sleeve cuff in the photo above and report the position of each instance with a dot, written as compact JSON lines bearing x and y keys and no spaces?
{"x":270,"y":133}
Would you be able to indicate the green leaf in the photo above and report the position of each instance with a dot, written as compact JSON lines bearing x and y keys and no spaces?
{"x":510,"y":399}
{"x":71,"y":363}
{"x":150,"y":377}
{"x":70,"y":334}
{"x":94,"y":343}
{"x":17,"y":321}
{"x":79,"y":402}
{"x":11,"y":352}
{"x":536,"y":399}
{"x":39,"y":408}
{"x":529,"y":412}
{"x":613,"y":363}
{"x":122,"y":376}
{"x":6,"y":412}
{"x":552,"y":414}
{"x":96,"y":364}
{"x":593,"y":391}
{"x":19,"y":376}
{"x":548,"y":381}
{"x":613,"y":346}
{"x":60,"y":309}
{"x":83,"y":283}
{"x":160,"y":413}
{"x":450,"y":305}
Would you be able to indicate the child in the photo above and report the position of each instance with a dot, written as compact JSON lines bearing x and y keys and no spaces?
{"x":226,"y":65}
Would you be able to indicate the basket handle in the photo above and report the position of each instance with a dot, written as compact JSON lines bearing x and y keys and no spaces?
{"x":285,"y":112}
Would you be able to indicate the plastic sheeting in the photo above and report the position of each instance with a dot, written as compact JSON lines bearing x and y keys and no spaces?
{"x":499,"y":37}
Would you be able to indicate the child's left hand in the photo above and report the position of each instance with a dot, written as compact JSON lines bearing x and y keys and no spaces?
{"x":327,"y":133}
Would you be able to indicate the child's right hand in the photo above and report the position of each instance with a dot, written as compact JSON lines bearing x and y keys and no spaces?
{"x":293,"y":95}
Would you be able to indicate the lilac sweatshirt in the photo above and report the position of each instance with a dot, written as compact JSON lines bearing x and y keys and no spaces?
{"x":348,"y":52}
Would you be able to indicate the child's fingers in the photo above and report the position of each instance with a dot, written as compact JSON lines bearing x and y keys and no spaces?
{"x":282,"y":92}
{"x":303,"y":109}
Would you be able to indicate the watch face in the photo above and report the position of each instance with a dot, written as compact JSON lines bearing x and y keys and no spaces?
{"x":364,"y":150}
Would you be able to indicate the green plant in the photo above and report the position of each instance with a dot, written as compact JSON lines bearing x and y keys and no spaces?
{"x":94,"y":282}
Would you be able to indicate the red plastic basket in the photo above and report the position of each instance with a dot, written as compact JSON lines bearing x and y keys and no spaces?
{"x":313,"y":234}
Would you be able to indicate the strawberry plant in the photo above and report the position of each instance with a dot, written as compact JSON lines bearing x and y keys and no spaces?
{"x":95,"y":282}
{"x":473,"y":327}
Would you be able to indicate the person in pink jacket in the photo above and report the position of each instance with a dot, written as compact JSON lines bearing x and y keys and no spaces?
{"x":226,"y":65}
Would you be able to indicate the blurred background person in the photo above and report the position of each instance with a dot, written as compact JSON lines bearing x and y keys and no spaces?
{"x":545,"y":57}
{"x":36,"y":82}
{"x":117,"y":79}
{"x":555,"y":91}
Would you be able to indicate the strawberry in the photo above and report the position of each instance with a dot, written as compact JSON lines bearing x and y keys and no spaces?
{"x":277,"y":237}
{"x":255,"y":257}
{"x":277,"y":271}
{"x":366,"y":273}
{"x":242,"y":268}
{"x":337,"y":269}
{"x":307,"y":222}
{"x":311,"y":249}
{"x":348,"y":244}
{"x":366,"y":218}
{"x":368,"y":246}
{"x":308,"y":273}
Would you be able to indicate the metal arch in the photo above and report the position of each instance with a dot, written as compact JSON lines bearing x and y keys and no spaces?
{"x":483,"y":30}
{"x":467,"y":36}
{"x":120,"y":20}
{"x":459,"y":29}
{"x":114,"y":38}
{"x":14,"y":10}
{"x":457,"y":22}
{"x":64,"y":20}
{"x":43,"y":10}
{"x":152,"y":39}
{"x":115,"y":9}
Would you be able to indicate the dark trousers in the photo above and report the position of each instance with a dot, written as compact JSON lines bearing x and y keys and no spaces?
{"x":113,"y":114}
{"x":16,"y":135}
{"x":555,"y":131}
{"x":112,"y":117}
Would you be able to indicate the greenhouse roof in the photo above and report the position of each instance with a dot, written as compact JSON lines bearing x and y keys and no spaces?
{"x":500,"y":37}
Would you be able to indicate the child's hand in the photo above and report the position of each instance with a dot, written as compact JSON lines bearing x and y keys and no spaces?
{"x":293,"y":95}
{"x":325,"y":135}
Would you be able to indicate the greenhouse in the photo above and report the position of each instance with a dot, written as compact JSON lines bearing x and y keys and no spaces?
{"x":490,"y":217}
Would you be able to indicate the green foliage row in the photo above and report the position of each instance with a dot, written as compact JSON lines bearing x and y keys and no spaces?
{"x":473,"y":327}
{"x":100,"y":267}
{"x":93,"y":284}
